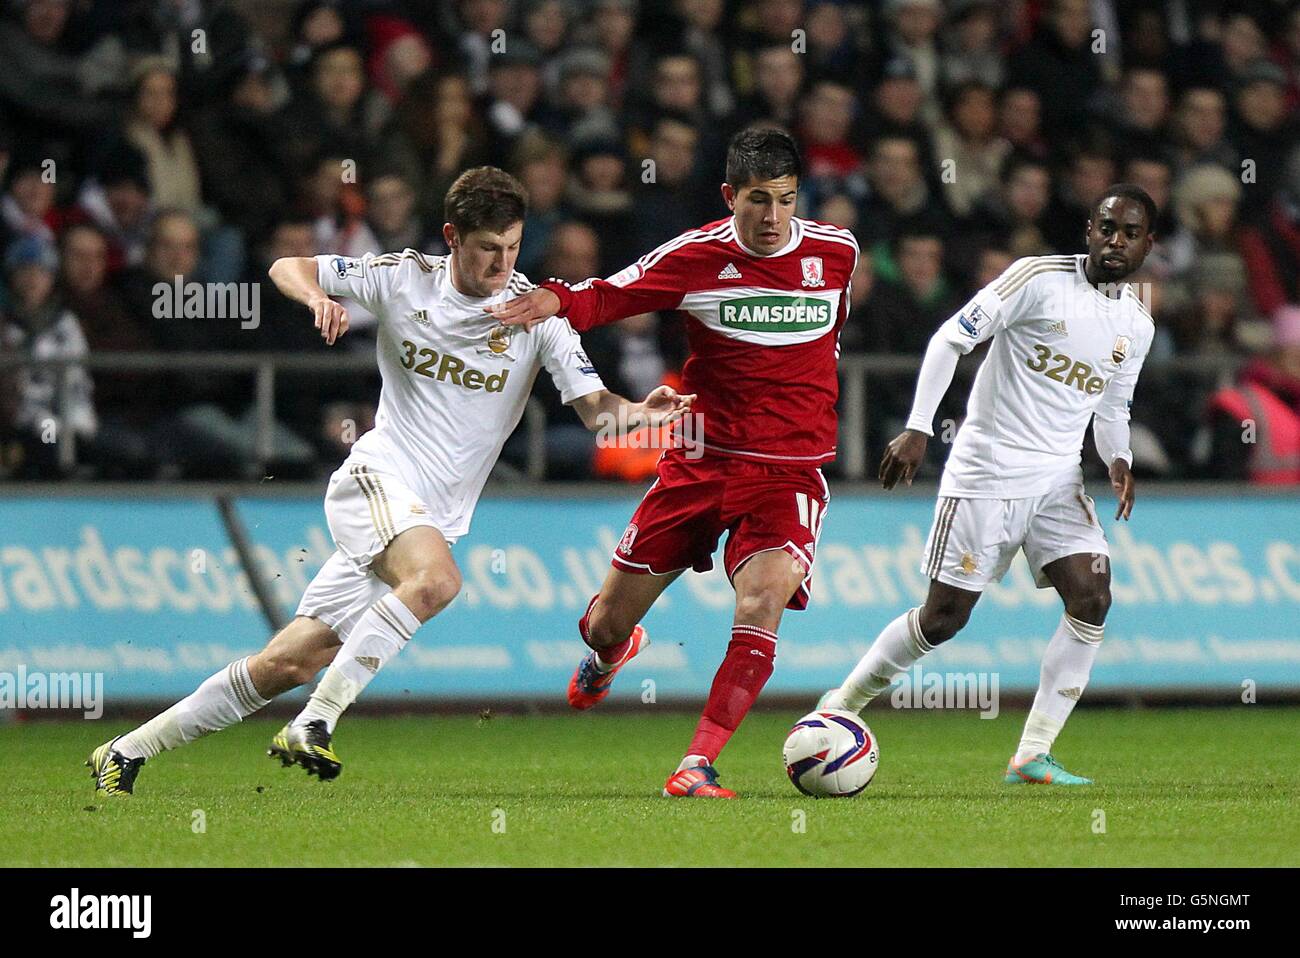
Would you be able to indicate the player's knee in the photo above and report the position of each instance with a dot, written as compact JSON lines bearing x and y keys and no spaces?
{"x":431,"y":590}
{"x":1091,"y":606}
{"x":941,"y":621}
{"x":760,"y":608}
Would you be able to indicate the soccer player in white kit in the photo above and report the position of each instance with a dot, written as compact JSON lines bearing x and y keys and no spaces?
{"x":455,"y":383}
{"x":1069,"y":339}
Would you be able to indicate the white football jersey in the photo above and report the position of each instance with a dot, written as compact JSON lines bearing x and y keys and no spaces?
{"x":1063,"y":351}
{"x":455,"y":381}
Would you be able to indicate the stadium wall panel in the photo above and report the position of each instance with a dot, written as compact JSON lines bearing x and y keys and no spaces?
{"x":150,"y":591}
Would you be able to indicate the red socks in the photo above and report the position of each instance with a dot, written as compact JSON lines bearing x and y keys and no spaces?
{"x":742,"y":675}
{"x":614,"y":653}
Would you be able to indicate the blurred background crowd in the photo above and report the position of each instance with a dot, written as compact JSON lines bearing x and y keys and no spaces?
{"x":144,"y":140}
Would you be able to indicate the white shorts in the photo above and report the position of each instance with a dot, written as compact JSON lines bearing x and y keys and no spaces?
{"x":365,"y":511}
{"x":973,"y":541}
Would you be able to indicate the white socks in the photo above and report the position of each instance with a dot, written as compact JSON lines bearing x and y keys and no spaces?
{"x":1063,"y":676}
{"x":377,"y":637}
{"x":896,"y":649}
{"x":220,"y":702}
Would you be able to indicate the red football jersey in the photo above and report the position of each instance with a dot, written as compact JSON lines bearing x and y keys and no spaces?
{"x":764,"y":332}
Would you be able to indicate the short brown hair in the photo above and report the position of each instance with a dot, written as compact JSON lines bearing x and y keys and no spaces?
{"x":485,"y":198}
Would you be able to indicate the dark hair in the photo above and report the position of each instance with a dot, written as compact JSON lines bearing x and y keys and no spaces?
{"x":485,"y":198}
{"x":761,"y":154}
{"x":1130,"y":191}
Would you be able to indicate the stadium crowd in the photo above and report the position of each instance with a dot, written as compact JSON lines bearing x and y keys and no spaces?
{"x":145,"y":140}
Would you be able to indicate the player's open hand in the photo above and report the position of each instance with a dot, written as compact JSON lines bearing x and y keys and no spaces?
{"x":665,"y":405}
{"x":1121,"y":480}
{"x":902,"y":457}
{"x":331,"y":318}
{"x":527,"y":310}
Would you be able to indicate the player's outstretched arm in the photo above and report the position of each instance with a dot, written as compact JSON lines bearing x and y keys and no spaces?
{"x":904,"y":454}
{"x":604,"y":410}
{"x":295,"y":277}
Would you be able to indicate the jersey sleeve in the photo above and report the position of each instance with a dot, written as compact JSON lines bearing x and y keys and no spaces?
{"x":1117,"y":398}
{"x":362,"y":279}
{"x":998,"y":305}
{"x":657,"y":281}
{"x":563,"y":356}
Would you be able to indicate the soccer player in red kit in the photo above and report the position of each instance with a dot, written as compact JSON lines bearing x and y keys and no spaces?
{"x":766,"y":295}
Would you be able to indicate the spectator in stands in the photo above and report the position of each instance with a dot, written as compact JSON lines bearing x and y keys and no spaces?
{"x":971,"y":45}
{"x":435,"y":145}
{"x":1209,"y":308}
{"x":152,"y":127}
{"x":37,"y":323}
{"x":244,"y":160}
{"x":1205,"y":202}
{"x":1199,"y":131}
{"x":393,"y":217}
{"x":581,"y":104}
{"x":1255,"y":424}
{"x":1271,"y":244}
{"x":698,"y":34}
{"x":1264,"y":131}
{"x":27,"y":207}
{"x":778,"y":81}
{"x":904,"y":313}
{"x":896,"y":109}
{"x":1020,"y":111}
{"x":515,"y":89}
{"x":128,"y":404}
{"x":47,"y":91}
{"x":542,"y":166}
{"x":832,"y":161}
{"x":546,"y":26}
{"x":899,"y":192}
{"x":211,"y":431}
{"x":911,"y":32}
{"x":117,"y":200}
{"x":1143,"y":114}
{"x":598,"y":195}
{"x":1060,"y":66}
{"x":969,"y":143}
{"x":398,"y":54}
{"x":1016,"y":214}
{"x":671,"y":202}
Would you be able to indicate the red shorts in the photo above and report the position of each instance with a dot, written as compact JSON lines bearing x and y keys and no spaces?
{"x":761,"y":506}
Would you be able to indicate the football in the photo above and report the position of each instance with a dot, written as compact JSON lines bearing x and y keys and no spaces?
{"x":831,"y":754}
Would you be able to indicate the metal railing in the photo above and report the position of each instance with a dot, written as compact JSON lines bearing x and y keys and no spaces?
{"x":265,"y":369}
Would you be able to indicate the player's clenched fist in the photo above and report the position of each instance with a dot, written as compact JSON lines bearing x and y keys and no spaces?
{"x":527,"y":310}
{"x":903,"y":456}
{"x":331,"y":318}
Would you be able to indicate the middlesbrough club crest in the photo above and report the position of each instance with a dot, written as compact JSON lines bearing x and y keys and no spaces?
{"x":814,"y":274}
{"x":629,"y":537}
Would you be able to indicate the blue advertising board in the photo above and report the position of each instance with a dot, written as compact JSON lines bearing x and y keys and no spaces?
{"x":149,"y":592}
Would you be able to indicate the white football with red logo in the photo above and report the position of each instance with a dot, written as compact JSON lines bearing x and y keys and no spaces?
{"x":831,"y":753}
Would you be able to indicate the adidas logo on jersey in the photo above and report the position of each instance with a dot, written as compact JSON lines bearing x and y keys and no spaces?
{"x":729,"y":272}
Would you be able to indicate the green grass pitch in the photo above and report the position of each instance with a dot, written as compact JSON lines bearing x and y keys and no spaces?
{"x":1185,"y":787}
